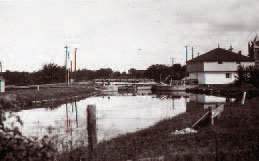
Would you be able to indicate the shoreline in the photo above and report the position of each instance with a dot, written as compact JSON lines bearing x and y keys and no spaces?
{"x":231,"y":137}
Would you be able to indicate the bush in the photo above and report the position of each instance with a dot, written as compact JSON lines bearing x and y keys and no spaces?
{"x":14,"y":146}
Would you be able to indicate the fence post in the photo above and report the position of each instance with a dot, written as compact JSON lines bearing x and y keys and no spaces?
{"x":211,"y":116}
{"x":91,"y":127}
{"x":38,"y":87}
{"x":243,"y":98}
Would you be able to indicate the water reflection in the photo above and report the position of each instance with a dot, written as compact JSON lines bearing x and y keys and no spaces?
{"x":203,"y":102}
{"x":116,"y":113}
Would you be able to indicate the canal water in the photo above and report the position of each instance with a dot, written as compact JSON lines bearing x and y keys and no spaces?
{"x":117,"y":114}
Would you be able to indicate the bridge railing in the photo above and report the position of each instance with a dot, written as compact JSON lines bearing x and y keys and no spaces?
{"x":182,"y":82}
{"x":123,"y":80}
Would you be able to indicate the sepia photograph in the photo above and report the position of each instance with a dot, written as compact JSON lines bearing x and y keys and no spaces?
{"x":129,"y":80}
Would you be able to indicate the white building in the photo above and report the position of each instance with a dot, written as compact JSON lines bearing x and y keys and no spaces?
{"x":217,"y":66}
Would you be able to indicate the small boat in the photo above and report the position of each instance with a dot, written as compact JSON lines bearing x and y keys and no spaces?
{"x":175,"y":85}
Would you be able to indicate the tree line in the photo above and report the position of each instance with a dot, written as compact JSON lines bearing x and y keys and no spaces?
{"x":52,"y":73}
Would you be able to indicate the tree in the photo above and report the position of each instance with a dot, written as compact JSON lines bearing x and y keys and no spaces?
{"x":104,"y":73}
{"x":247,"y":75}
{"x":52,"y":73}
{"x":116,"y":74}
{"x":160,"y":71}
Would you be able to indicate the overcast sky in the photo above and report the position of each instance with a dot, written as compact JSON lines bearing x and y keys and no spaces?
{"x":120,"y":33}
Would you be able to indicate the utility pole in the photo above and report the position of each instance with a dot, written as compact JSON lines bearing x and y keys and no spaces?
{"x":192,"y":52}
{"x":1,"y":67}
{"x":75,"y":65}
{"x":71,"y":70}
{"x":68,"y":71}
{"x":66,"y":65}
{"x":75,"y":58}
{"x":186,"y":54}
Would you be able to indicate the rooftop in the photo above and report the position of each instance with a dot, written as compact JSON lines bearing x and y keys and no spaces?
{"x":220,"y":54}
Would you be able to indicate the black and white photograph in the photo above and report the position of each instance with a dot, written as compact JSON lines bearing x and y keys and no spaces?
{"x":129,"y":80}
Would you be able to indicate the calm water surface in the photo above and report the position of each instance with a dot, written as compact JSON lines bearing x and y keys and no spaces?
{"x":117,"y":114}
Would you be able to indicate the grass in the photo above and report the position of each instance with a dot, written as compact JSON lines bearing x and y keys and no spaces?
{"x":233,"y":137}
{"x":19,"y":99}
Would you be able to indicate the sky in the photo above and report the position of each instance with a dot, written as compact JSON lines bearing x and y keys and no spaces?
{"x":120,"y":34}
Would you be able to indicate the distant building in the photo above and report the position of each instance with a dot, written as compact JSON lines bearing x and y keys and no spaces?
{"x":2,"y":84}
{"x":217,"y":66}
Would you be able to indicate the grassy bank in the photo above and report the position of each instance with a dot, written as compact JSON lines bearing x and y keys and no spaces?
{"x":19,"y":99}
{"x":226,"y":90}
{"x":233,"y":137}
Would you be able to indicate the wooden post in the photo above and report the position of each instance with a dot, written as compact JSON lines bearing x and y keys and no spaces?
{"x":243,"y":98}
{"x":91,"y":127}
{"x":38,"y":87}
{"x":211,"y":116}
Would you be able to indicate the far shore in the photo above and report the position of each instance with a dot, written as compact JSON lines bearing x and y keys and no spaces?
{"x":15,"y":100}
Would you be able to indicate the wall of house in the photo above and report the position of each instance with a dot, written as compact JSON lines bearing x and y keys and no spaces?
{"x":199,"y":75}
{"x":225,"y":66}
{"x":219,"y":77}
{"x":214,"y":73}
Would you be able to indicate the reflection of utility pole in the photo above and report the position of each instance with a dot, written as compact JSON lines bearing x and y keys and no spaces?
{"x":76,"y":115}
{"x":186,"y":54}
{"x":173,"y":103}
{"x":66,"y":117}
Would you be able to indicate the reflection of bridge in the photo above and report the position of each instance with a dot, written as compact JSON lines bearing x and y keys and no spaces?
{"x":123,"y":80}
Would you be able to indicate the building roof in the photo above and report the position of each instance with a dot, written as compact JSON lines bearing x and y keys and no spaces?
{"x":220,"y":54}
{"x":2,"y":78}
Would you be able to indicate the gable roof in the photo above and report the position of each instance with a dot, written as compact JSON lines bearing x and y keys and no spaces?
{"x":220,"y":54}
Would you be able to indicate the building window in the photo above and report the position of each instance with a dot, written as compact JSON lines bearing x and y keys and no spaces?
{"x":228,"y":75}
{"x":238,"y":62}
{"x":220,"y":62}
